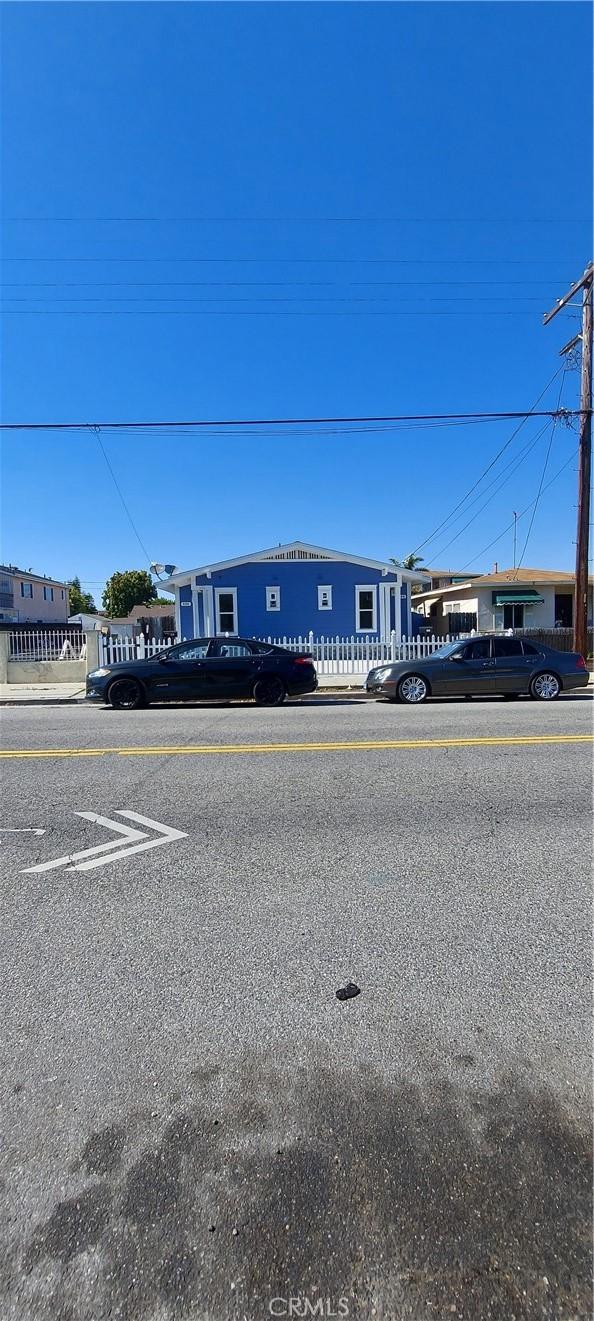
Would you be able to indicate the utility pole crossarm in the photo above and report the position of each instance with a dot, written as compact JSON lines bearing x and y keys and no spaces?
{"x":575,"y":288}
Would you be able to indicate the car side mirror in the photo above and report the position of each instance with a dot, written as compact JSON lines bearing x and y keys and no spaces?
{"x":457,"y":656}
{"x":163,"y":659}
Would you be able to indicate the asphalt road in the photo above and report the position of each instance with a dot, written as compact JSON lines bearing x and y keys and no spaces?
{"x":194,"y":1126}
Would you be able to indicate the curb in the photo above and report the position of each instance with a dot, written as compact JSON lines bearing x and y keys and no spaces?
{"x":42,"y":701}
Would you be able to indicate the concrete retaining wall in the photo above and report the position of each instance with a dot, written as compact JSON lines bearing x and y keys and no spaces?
{"x":45,"y":672}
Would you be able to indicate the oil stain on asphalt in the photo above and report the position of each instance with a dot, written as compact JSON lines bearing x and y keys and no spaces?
{"x":399,"y":1201}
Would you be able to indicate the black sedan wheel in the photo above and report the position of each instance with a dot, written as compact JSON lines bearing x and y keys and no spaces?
{"x":412,"y":689}
{"x":269,"y":691}
{"x":125,"y":694}
{"x":545,"y":687}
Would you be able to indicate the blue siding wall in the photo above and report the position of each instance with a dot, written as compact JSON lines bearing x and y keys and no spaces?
{"x":298,"y":583}
{"x":185,"y":611}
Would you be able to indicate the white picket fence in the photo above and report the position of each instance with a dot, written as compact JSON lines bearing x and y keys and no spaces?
{"x":357,"y":655}
{"x":354,"y":655}
{"x":36,"y":645}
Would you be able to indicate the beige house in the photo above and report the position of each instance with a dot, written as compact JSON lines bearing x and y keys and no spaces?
{"x":27,"y":597}
{"x":510,"y":598}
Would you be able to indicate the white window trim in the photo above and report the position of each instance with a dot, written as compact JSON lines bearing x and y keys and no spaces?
{"x":327,"y":589}
{"x":225,"y":591}
{"x":269,"y":607}
{"x":366,"y":587}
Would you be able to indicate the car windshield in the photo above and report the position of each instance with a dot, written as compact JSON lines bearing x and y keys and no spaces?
{"x":447,"y":650}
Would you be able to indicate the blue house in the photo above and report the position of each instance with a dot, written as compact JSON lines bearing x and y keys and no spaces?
{"x":292,"y":590}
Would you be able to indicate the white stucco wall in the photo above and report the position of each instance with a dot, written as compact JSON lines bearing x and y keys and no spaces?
{"x":480,"y":601}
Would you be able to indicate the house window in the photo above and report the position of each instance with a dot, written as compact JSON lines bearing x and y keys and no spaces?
{"x":27,"y":589}
{"x":62,"y":594}
{"x":513,"y":616}
{"x":365,"y":609}
{"x":226,"y":609}
{"x":48,"y":593}
{"x":324,"y":598}
{"x":273,"y":598}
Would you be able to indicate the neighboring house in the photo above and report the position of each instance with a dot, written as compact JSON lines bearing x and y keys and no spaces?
{"x":444,"y":578}
{"x":154,"y":621}
{"x":510,"y":598}
{"x":27,"y":597}
{"x":292,"y":590}
{"x":88,"y":622}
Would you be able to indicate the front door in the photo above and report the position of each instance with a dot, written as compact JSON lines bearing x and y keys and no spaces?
{"x":471,"y":672}
{"x":181,"y":674}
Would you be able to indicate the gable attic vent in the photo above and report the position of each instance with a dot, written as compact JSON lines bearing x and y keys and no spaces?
{"x":296,"y":555}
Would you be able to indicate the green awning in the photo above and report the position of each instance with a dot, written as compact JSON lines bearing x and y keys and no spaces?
{"x":520,"y":597}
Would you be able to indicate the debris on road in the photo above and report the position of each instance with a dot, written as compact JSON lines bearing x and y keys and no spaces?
{"x":348,"y":992}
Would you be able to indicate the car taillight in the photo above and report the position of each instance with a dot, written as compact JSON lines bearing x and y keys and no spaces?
{"x":303,"y":660}
{"x":580,"y":663}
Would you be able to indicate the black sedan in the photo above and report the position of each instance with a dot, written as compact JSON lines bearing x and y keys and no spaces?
{"x":203,"y":669}
{"x":482,"y":667}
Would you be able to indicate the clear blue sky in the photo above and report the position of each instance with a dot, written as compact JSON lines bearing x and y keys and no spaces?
{"x":432,"y":158}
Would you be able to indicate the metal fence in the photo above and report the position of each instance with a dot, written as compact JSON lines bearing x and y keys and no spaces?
{"x":37,"y":645}
{"x":354,"y":655}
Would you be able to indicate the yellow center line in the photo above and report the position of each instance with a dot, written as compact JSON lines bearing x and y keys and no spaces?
{"x":235,"y":749}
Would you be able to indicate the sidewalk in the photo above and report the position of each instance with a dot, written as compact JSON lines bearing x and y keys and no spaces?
{"x":40,"y":694}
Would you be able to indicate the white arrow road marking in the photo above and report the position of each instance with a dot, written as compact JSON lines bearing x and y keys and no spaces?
{"x":166,"y":835}
{"x":98,"y":848}
{"x":21,"y":830}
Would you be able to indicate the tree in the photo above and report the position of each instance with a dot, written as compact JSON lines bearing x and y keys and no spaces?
{"x":79,"y":602}
{"x":411,"y":562}
{"x":125,"y":590}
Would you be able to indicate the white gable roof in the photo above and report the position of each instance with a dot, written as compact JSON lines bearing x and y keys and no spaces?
{"x":291,"y":551}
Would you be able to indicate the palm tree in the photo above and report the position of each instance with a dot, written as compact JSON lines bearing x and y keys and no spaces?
{"x":410,"y":562}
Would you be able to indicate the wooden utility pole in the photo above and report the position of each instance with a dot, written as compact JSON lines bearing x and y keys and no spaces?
{"x":580,"y":612}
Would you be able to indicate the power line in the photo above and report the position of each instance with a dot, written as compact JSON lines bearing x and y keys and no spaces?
{"x":334,"y":261}
{"x":119,"y":491}
{"x":524,"y":417}
{"x":479,"y":511}
{"x":521,"y":515}
{"x":514,"y":463}
{"x":301,"y":220}
{"x":257,"y":298}
{"x":216,"y":312}
{"x":290,"y":421}
{"x":543,"y":474}
{"x":258,"y":284}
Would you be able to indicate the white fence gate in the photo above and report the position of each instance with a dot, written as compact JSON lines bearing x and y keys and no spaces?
{"x":354,"y":655}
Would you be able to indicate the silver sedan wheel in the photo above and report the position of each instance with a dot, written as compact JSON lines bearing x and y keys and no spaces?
{"x":546,"y":687}
{"x":412,"y":689}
